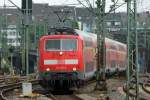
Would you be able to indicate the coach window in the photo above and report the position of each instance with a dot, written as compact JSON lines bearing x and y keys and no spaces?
{"x":112,"y":47}
{"x":52,"y":45}
{"x":122,"y":48}
{"x":69,"y":44}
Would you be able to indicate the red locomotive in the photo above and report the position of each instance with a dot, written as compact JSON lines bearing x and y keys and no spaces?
{"x":68,"y":57}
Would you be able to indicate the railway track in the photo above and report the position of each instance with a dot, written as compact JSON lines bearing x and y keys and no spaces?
{"x":6,"y":89}
{"x":72,"y":96}
{"x":144,"y":88}
{"x":9,"y":87}
{"x":64,"y":97}
{"x":1,"y":79}
{"x":9,"y":79}
{"x":50,"y":96}
{"x":63,"y":94}
{"x":58,"y":95}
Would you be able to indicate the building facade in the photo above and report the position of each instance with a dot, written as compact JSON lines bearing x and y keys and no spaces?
{"x":13,"y":36}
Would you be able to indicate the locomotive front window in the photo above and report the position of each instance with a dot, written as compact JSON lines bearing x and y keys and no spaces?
{"x":69,"y":44}
{"x":52,"y":45}
{"x":62,"y":44}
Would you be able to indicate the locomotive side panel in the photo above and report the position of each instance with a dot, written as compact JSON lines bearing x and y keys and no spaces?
{"x":41,"y":46}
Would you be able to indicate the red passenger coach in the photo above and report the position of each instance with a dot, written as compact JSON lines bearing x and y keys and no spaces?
{"x":115,"y":56}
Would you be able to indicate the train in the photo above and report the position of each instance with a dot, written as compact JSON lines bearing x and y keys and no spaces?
{"x":68,"y":57}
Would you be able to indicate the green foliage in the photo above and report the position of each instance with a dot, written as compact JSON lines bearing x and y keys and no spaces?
{"x":75,"y":24}
{"x":6,"y":68}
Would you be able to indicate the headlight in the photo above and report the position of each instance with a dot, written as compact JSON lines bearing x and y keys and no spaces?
{"x":61,"y":53}
{"x":47,"y":69}
{"x":74,"y":68}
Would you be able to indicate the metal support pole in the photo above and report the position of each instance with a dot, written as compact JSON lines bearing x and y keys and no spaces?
{"x":137,"y":51}
{"x":100,"y":75}
{"x":11,"y":61}
{"x":128,"y":42}
{"x":27,"y":50}
{"x":18,"y":30}
{"x":0,"y":43}
{"x":23,"y":48}
{"x":27,"y":14}
{"x":35,"y":33}
{"x":132,"y":40}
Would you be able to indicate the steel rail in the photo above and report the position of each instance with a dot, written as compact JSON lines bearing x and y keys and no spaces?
{"x":131,"y":94}
{"x":145,"y":89}
{"x":144,"y":82}
{"x":73,"y":96}
{"x":8,"y":88}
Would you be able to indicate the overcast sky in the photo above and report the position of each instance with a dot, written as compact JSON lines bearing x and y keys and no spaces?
{"x":143,"y":5}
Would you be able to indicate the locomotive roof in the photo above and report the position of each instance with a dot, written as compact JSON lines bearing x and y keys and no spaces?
{"x":86,"y":34}
{"x":68,"y":31}
{"x":62,"y":30}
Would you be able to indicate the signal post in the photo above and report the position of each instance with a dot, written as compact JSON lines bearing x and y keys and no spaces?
{"x":27,"y":12}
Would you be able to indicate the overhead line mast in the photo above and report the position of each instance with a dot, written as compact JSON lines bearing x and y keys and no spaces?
{"x":132,"y":40}
{"x":100,"y":75}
